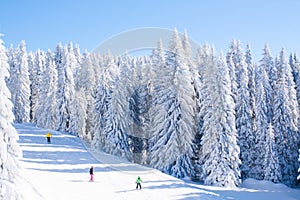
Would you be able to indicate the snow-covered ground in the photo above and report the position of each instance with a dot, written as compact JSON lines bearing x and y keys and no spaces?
{"x":60,"y":171}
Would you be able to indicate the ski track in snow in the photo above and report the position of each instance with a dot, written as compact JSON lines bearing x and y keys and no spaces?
{"x":60,"y":171}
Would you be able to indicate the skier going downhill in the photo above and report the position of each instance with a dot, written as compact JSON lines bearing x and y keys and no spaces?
{"x":138,"y":183}
{"x":48,"y":136}
{"x":92,"y":174}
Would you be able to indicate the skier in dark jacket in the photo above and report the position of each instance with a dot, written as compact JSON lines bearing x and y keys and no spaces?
{"x":92,"y":174}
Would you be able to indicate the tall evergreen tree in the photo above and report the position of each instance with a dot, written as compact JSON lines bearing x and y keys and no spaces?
{"x":204,"y":58}
{"x":139,"y":105}
{"x":295,"y":66}
{"x":187,"y":49}
{"x":102,"y":113}
{"x":178,"y":130}
{"x":46,"y":109}
{"x":157,"y":110}
{"x":79,"y":62}
{"x":286,"y":121}
{"x":102,"y":104}
{"x":230,"y":60}
{"x":117,"y":127}
{"x":31,"y":70}
{"x":272,"y":168}
{"x":162,"y":74}
{"x":85,"y":82}
{"x":251,"y":84}
{"x":219,"y":152}
{"x":196,"y":82}
{"x":19,"y":84}
{"x":243,"y":110}
{"x":36,"y":81}
{"x":9,"y":148}
{"x":267,"y":62}
{"x":70,"y":66}
{"x":79,"y":113}
{"x":266,"y":166}
{"x":65,"y":62}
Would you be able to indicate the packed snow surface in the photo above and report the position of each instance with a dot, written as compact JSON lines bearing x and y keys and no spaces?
{"x":60,"y":171}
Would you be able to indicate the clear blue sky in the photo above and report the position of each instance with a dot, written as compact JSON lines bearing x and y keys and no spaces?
{"x":44,"y":23}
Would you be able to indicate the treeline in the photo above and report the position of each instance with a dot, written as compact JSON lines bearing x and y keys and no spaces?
{"x":215,"y":118}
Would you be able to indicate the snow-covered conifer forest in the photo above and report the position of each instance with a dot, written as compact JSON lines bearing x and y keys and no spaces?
{"x":216,"y":118}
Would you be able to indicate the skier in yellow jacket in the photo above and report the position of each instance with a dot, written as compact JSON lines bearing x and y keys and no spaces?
{"x":48,"y":136}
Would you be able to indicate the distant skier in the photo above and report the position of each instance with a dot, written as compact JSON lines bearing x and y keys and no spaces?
{"x":138,"y":183}
{"x":92,"y":174}
{"x":48,"y":136}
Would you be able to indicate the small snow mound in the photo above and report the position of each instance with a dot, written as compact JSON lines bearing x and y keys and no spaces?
{"x":262,"y":185}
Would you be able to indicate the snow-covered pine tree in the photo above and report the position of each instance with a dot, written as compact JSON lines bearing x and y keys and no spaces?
{"x":196,"y":82}
{"x":267,"y":62}
{"x":230,"y":60}
{"x":243,"y":111}
{"x":9,"y":148}
{"x":19,"y":84}
{"x":173,"y":147}
{"x":97,"y":62}
{"x":36,"y":81}
{"x":193,"y":68}
{"x":65,"y":63}
{"x":70,"y":66}
{"x":272,"y":168}
{"x":85,"y":77}
{"x":77,"y":55}
{"x":31,"y":68}
{"x":157,"y":110}
{"x":59,"y":59}
{"x":251,"y":83}
{"x":139,"y":105}
{"x":285,"y":121}
{"x":84,"y":85}
{"x":79,"y":113}
{"x":11,"y":60}
{"x":187,"y":49}
{"x":79,"y":62}
{"x":102,"y":108}
{"x":162,"y":75}
{"x":102,"y":114}
{"x":202,"y":59}
{"x":149,"y":77}
{"x":46,"y":109}
{"x":266,"y":166}
{"x":141,"y":95}
{"x":220,"y":152}
{"x":184,"y":99}
{"x":295,"y":65}
{"x":61,"y":107}
{"x":119,"y":122}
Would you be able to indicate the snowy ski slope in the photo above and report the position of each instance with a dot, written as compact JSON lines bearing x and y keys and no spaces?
{"x":60,"y":171}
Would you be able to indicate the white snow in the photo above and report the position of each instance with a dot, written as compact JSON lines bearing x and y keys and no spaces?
{"x":60,"y":171}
